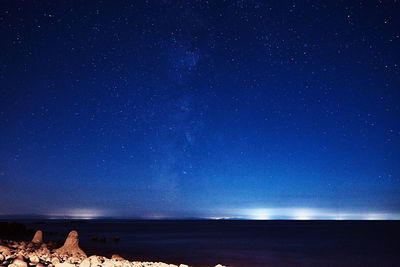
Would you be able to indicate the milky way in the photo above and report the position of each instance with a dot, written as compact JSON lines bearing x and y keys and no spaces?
{"x":200,"y":109}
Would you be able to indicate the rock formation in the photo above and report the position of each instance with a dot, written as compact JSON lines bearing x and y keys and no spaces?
{"x":38,"y":254}
{"x":71,"y":246}
{"x":38,"y":237}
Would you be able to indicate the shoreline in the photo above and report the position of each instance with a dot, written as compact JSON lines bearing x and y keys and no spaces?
{"x":40,"y":254}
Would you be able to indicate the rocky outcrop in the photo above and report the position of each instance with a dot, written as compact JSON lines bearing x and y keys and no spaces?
{"x":38,"y":237}
{"x":40,"y":254}
{"x":71,"y":246}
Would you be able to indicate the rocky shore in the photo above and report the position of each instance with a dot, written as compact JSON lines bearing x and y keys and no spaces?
{"x":40,"y":254}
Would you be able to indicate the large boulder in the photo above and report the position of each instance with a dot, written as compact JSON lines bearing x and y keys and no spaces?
{"x":71,"y":246}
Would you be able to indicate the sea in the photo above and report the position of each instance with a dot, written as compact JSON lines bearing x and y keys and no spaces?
{"x":235,"y":242}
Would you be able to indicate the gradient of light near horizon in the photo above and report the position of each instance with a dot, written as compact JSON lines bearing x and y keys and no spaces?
{"x":200,"y":109}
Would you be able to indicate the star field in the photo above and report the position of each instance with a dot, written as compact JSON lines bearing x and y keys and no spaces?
{"x":199,"y":108}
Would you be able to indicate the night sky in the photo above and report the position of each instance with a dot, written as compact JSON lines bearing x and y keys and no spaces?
{"x":204,"y":109}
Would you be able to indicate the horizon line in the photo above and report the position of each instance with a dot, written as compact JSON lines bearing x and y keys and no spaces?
{"x":11,"y":217}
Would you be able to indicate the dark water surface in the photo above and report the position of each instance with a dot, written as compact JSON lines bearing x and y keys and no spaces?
{"x":237,"y":243}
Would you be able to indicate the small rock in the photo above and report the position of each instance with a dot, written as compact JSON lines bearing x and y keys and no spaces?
{"x":43,"y":251}
{"x":117,"y":257}
{"x":108,"y":263}
{"x":96,"y":260}
{"x":5,"y":250}
{"x":55,"y":260}
{"x":64,"y":264}
{"x":85,"y":263}
{"x":74,"y":260}
{"x":34,"y":259}
{"x":20,"y":262}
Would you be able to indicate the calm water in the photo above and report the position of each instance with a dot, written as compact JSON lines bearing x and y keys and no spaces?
{"x":239,"y":243}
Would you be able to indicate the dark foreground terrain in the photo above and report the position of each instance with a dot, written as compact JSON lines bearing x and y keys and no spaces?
{"x":233,"y":243}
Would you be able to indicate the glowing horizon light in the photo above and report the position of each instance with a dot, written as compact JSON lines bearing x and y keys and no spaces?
{"x":81,"y":214}
{"x":221,"y":218}
{"x":376,"y":216}
{"x":257,"y":213}
{"x":280,"y":214}
{"x":302,"y":213}
{"x":339,"y":218}
{"x":261,"y":214}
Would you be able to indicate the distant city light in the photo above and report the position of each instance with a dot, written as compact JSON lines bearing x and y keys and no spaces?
{"x":82,"y":214}
{"x":302,"y":214}
{"x":298,"y":213}
{"x":308,"y":214}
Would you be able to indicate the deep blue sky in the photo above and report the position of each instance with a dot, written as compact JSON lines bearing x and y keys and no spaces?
{"x":199,"y":109}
